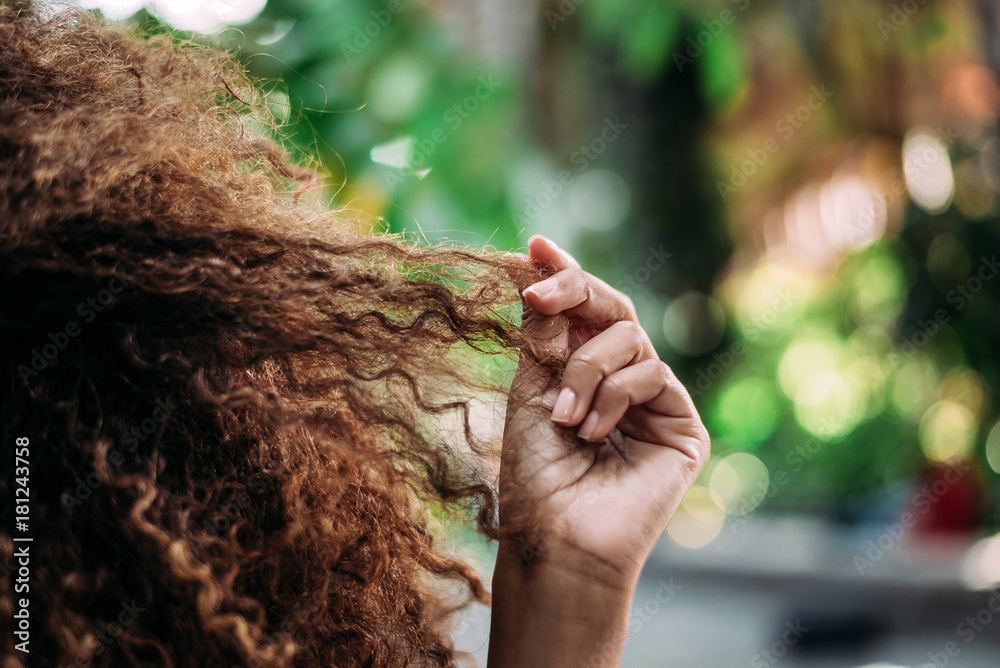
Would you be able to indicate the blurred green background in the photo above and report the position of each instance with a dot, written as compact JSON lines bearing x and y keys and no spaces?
{"x":800,"y":197}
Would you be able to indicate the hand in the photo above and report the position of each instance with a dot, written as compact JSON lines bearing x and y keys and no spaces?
{"x":607,"y":498}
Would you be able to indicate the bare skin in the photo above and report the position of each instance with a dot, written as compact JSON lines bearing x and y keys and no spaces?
{"x":599,"y":508}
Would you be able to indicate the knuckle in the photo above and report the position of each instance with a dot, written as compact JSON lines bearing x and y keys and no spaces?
{"x":665,"y":373}
{"x":584,"y":363}
{"x":697,"y":447}
{"x":573,"y":276}
{"x":614,"y":385}
{"x":574,"y":280}
{"x":628,"y":305}
{"x":629,"y":333}
{"x":635,"y":331}
{"x":702,"y":446}
{"x":627,"y":326}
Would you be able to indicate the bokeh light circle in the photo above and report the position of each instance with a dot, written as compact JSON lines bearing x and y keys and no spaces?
{"x":741,"y":481}
{"x":699,"y":520}
{"x":947,"y":430}
{"x":694,"y":323}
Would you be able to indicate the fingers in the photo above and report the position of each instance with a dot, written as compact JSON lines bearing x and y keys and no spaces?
{"x":570,"y":290}
{"x":650,"y":383}
{"x":522,"y":271}
{"x":580,"y":296}
{"x":686,"y":434}
{"x":612,"y":372}
{"x":545,"y":252}
{"x":618,"y":346}
{"x":523,"y":268}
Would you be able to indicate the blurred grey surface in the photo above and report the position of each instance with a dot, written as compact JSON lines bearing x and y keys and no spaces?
{"x":789,"y":592}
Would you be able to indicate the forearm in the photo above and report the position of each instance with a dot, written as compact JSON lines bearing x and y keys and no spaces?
{"x":559,"y":611}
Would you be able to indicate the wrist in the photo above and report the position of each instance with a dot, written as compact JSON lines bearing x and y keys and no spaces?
{"x":551,"y":567}
{"x":564,"y":610}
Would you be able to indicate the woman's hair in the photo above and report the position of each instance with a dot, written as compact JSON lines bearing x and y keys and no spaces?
{"x":242,"y":415}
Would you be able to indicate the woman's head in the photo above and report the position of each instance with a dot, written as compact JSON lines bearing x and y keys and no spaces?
{"x":230,"y":395}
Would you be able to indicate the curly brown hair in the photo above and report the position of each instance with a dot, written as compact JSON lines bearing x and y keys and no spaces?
{"x":233,"y":398}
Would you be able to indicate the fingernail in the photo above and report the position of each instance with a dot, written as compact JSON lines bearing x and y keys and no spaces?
{"x":589,"y":426}
{"x":540,"y":289}
{"x":560,"y":251}
{"x":565,"y":403}
{"x":548,"y":242}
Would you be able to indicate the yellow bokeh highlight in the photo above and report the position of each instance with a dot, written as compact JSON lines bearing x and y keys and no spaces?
{"x":830,"y":405}
{"x":765,"y":298}
{"x":947,"y":430}
{"x":993,"y":448}
{"x":832,"y":390}
{"x":740,"y":481}
{"x":915,"y":387}
{"x":699,"y":519}
{"x":964,"y":386}
{"x":866,"y":374}
{"x":804,"y":359}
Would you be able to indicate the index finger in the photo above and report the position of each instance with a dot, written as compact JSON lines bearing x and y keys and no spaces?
{"x":571,"y":290}
{"x":543,"y":255}
{"x":581,"y":296}
{"x":543,"y":251}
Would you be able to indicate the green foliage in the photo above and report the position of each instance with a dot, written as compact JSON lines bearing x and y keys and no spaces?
{"x":428,"y":134}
